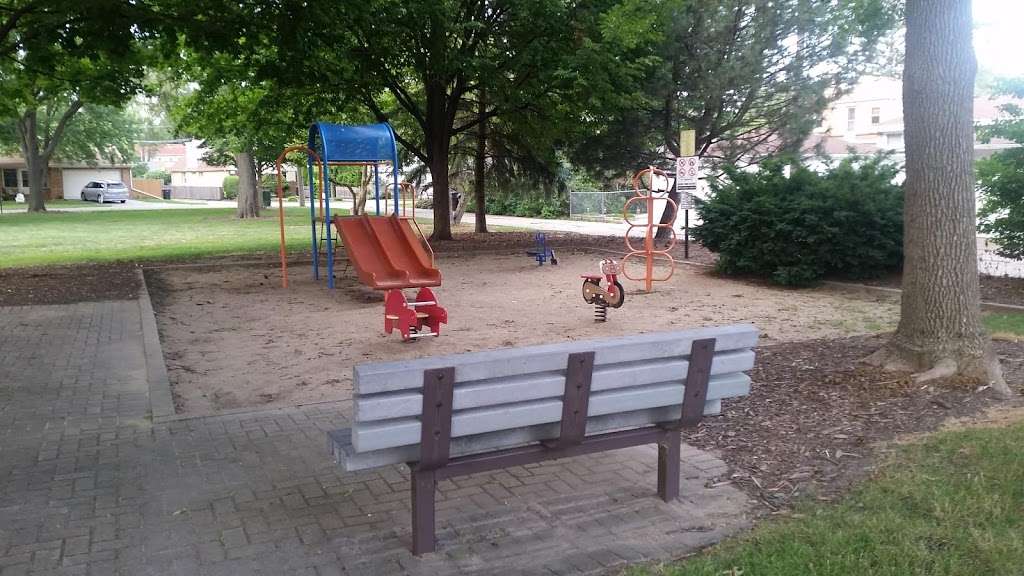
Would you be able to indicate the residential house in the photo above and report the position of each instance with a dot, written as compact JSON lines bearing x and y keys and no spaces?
{"x":870,"y":119}
{"x":64,"y":180}
{"x":162,"y":155}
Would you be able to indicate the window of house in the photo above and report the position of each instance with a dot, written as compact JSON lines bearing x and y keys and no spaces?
{"x":876,"y":115}
{"x":10,"y":178}
{"x":851,"y":119}
{"x":24,"y":179}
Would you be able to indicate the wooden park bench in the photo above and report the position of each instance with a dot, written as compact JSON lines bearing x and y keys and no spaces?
{"x":453,"y":415}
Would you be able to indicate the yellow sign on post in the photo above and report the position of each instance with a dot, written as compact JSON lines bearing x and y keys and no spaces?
{"x":687,"y":142}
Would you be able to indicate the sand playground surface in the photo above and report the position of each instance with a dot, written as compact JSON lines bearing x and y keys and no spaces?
{"x":233,"y":338}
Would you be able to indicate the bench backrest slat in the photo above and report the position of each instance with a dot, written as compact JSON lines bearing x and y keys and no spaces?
{"x":503,"y":398}
{"x":490,"y":392}
{"x":407,"y":374}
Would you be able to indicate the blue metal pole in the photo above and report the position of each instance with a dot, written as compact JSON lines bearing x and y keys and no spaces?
{"x":376,"y":187}
{"x":394,"y":168}
{"x":312,"y":215}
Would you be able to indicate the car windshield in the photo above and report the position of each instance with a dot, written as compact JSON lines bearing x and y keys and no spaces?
{"x":115,"y":186}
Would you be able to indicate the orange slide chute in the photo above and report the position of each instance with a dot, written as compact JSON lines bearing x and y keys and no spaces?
{"x":386,"y":253}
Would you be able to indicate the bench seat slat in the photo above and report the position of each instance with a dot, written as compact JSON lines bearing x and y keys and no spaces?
{"x":399,"y":432}
{"x":368,"y":408}
{"x":407,"y":374}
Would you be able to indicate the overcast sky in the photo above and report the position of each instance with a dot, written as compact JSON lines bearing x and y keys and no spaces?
{"x":999,"y":36}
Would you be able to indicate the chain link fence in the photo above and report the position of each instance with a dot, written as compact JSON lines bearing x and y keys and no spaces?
{"x":600,"y":206}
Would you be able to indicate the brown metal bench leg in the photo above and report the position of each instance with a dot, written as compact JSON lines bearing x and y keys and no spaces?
{"x":698,"y":374}
{"x":435,"y":444}
{"x":424,"y":489}
{"x":668,"y":466}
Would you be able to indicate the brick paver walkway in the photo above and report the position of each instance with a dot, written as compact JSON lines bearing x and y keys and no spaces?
{"x":90,"y":485}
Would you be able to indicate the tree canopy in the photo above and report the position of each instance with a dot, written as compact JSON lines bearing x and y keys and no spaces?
{"x":1001,"y":176}
{"x":59,"y":57}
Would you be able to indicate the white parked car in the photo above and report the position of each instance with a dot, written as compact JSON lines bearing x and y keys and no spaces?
{"x":105,"y":191}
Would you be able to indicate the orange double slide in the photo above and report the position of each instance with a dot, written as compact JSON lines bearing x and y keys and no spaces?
{"x":386,"y":253}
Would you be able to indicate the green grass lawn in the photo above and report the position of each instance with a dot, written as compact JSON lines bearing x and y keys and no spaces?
{"x":104,"y":236}
{"x":58,"y":204}
{"x":1005,"y":326}
{"x":950,"y":505}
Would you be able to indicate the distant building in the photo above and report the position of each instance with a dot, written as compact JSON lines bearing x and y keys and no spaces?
{"x":870,"y":119}
{"x":64,"y":180}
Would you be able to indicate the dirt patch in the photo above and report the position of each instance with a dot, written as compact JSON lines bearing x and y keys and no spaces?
{"x":232,"y":337}
{"x":67,"y":284}
{"x":814,"y":421}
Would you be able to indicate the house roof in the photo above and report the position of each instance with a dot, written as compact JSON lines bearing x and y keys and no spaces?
{"x":202,"y":167}
{"x":19,"y":161}
{"x":833,"y":146}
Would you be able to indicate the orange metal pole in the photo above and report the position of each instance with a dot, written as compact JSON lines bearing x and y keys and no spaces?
{"x":649,"y":244}
{"x":650,"y":228}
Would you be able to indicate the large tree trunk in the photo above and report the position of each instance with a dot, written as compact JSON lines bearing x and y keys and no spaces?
{"x":35,"y":160}
{"x":248,"y":191}
{"x":670,"y":135}
{"x":438,"y":143}
{"x":480,"y":167}
{"x":940,"y":331}
{"x":38,"y":153}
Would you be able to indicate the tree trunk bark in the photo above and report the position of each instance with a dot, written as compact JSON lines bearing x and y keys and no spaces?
{"x":36,"y":161}
{"x":940,"y":331}
{"x":248,"y":191}
{"x":438,"y":137}
{"x":671,"y":138}
{"x":480,"y":167}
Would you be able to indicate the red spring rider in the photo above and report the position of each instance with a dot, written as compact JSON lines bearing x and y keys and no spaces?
{"x":417,"y":319}
{"x":610,"y":296}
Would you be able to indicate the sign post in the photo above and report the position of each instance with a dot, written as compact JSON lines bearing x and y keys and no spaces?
{"x":687,"y":169}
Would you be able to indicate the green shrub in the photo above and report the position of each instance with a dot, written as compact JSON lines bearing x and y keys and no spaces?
{"x":162,"y":175}
{"x":1001,"y":176}
{"x":525,"y":204}
{"x":795,"y":230}
{"x":1001,"y":180}
{"x":230,"y":186}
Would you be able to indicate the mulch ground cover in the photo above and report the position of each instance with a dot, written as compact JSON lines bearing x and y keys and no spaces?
{"x":996,"y":289}
{"x":815,"y":421}
{"x":67,"y":284}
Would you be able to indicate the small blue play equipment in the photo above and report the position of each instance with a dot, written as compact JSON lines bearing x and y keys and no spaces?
{"x":541,"y":252}
{"x":348,"y":145}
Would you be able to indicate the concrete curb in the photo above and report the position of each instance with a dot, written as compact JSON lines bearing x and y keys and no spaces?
{"x":851,"y":287}
{"x":161,"y":403}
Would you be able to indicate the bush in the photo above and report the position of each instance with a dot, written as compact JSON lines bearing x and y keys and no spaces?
{"x":525,"y":204}
{"x":230,"y":186}
{"x":1001,"y":180}
{"x":162,"y":175}
{"x":847,"y":222}
{"x":1001,"y":176}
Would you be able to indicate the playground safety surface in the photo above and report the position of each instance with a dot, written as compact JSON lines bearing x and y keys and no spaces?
{"x":300,"y":344}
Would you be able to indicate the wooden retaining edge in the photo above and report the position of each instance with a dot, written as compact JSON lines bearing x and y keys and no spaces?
{"x":852,"y":287}
{"x":161,"y":403}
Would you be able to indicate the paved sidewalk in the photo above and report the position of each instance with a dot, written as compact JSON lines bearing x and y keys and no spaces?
{"x":90,"y":485}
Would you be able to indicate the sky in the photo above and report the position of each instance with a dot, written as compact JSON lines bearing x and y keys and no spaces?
{"x":998,"y":36}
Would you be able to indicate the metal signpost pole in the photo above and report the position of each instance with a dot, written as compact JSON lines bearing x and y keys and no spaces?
{"x":687,"y":167}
